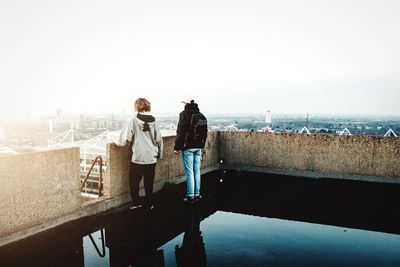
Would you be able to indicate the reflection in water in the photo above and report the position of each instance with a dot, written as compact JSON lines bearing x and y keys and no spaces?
{"x":192,"y":252}
{"x":101,"y":253}
{"x":130,"y":241}
{"x":94,"y":249}
{"x":237,"y":240}
{"x":250,"y":223}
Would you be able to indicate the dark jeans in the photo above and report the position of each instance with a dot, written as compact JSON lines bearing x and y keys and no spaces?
{"x":136,"y":172}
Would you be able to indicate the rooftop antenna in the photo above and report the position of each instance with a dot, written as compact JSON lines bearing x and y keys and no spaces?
{"x":231,"y":128}
{"x":266,"y":129}
{"x":345,"y":132}
{"x":304,"y":130}
{"x":390,"y":133}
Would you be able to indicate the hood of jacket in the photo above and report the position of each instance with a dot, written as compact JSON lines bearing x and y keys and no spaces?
{"x":145,"y":120}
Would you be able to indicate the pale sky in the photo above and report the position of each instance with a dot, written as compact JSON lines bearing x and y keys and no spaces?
{"x":233,"y":56}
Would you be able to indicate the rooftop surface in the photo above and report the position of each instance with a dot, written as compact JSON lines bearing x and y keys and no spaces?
{"x":245,"y":219}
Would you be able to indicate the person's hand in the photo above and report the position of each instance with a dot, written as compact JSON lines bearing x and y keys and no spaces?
{"x":176,"y":152}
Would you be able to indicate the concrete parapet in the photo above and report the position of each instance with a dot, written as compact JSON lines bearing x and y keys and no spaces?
{"x":359,"y":155}
{"x":37,"y":188}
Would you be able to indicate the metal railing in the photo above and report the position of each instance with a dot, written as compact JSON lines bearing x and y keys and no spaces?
{"x":100,"y":182}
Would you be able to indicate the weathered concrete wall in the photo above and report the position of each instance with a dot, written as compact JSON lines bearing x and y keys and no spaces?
{"x":38,"y":187}
{"x":361,"y":155}
{"x":116,"y":182}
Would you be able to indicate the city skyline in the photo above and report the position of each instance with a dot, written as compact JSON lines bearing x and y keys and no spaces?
{"x":232,"y":57}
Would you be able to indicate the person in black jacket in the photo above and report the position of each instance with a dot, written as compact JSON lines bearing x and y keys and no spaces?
{"x":191,"y":136}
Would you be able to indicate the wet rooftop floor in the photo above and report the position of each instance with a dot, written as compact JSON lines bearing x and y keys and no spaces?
{"x":244,"y":219}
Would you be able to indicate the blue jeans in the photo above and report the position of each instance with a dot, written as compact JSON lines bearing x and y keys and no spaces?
{"x":191,"y":163}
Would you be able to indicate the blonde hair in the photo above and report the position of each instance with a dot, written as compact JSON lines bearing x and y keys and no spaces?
{"x":142,"y":105}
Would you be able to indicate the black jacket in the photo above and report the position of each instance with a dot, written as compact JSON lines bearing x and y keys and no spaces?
{"x":183,"y":128}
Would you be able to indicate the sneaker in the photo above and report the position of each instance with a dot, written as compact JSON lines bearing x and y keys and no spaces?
{"x":188,"y":199}
{"x":151,"y":207}
{"x":198,"y":198}
{"x":135,"y":206}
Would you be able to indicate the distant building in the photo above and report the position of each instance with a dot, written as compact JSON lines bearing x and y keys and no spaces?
{"x":51,"y":125}
{"x":59,"y":116}
{"x":268,"y":118}
{"x":307,"y":120}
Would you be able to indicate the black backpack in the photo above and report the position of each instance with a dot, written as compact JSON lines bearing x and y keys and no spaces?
{"x":198,"y":128}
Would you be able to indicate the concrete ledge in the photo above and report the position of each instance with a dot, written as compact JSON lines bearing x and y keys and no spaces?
{"x":90,"y":208}
{"x":373,"y":156}
{"x":38,"y":187}
{"x":312,"y":175}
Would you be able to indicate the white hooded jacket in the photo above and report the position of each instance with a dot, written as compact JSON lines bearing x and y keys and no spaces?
{"x":148,"y":144}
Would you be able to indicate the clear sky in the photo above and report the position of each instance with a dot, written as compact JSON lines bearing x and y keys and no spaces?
{"x":233,"y":56}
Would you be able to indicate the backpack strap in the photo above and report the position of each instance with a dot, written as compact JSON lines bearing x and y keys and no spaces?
{"x":152,"y":137}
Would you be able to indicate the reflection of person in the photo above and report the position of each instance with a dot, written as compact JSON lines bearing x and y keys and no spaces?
{"x":146,"y":148}
{"x":192,"y":252}
{"x":147,"y":254}
{"x":191,"y":136}
{"x":134,"y":246}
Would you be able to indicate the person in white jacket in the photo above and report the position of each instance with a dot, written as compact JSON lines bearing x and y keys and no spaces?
{"x":147,"y":147}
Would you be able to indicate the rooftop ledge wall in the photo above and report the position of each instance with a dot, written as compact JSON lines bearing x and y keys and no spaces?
{"x":38,"y":187}
{"x":41,"y":190}
{"x":324,"y":154}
